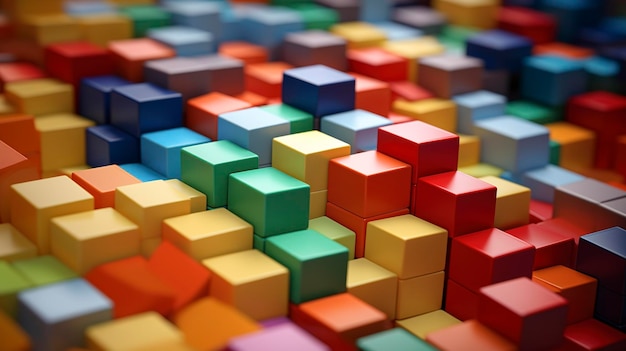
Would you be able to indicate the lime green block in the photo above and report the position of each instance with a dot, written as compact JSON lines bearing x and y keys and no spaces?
{"x":396,"y":339}
{"x":334,"y":231}
{"x":555,"y":152}
{"x":482,"y":170}
{"x":299,"y":121}
{"x":272,"y":201}
{"x":316,"y":16}
{"x":11,"y":283}
{"x":533,"y":112}
{"x":206,"y":167}
{"x":318,"y":266}
{"x":145,"y":17}
{"x":44,"y":270}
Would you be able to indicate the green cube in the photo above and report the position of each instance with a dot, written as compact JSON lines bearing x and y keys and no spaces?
{"x":317,"y":265}
{"x":533,"y":112}
{"x":299,"y":121}
{"x":44,"y":270}
{"x":206,"y":167}
{"x":335,"y":231}
{"x":396,"y":339}
{"x":11,"y":283}
{"x":315,"y":16}
{"x":146,"y":17}
{"x":555,"y":152}
{"x":272,"y":201}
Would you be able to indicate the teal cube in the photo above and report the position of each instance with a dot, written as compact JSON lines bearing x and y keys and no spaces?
{"x":272,"y":201}
{"x":146,"y":17}
{"x":318,"y":266}
{"x":161,"y":150}
{"x":299,"y":121}
{"x":396,"y":339}
{"x":206,"y":167}
{"x":43,"y":270}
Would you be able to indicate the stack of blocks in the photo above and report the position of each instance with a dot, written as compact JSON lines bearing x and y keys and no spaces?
{"x":312,"y":175}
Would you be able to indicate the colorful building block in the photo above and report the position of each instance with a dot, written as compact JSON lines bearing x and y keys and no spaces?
{"x":40,"y":96}
{"x":245,"y":51}
{"x":358,"y":128}
{"x":339,"y":320}
{"x":43,"y":270}
{"x":202,"y":111}
{"x":470,"y":332}
{"x":250,"y":281}
{"x":579,"y":290}
{"x":102,"y":28}
{"x":197,"y":199}
{"x":18,"y":71}
{"x":440,"y":113}
{"x":551,"y":247}
{"x":56,"y":316}
{"x":428,"y":149}
{"x":72,"y":61}
{"x":317,"y":265}
{"x":253,"y":129}
{"x":107,"y":144}
{"x":144,"y":107}
{"x":426,"y":323}
{"x":397,"y":31}
{"x":184,"y":40}
{"x":420,"y":246}
{"x":447,"y":75}
{"x":281,"y":337}
{"x":419,"y":295}
{"x":423,"y":18}
{"x":479,"y":14}
{"x":576,"y":145}
{"x":359,"y":34}
{"x":35,"y":202}
{"x":14,"y":168}
{"x":335,"y":231}
{"x":147,"y":330}
{"x":475,"y":106}
{"x":129,"y":56}
{"x":378,"y":63}
{"x":600,"y":250}
{"x":372,"y":95}
{"x":199,"y":15}
{"x":333,"y":90}
{"x":101,"y":183}
{"x":62,"y":139}
{"x":19,"y":132}
{"x":487,"y":257}
{"x":12,"y":283}
{"x":469,"y":150}
{"x":552,"y":80}
{"x":513,"y":144}
{"x":85,"y":240}
{"x":373,"y":284}
{"x":95,"y":95}
{"x":512,"y":203}
{"x":51,"y":28}
{"x":268,"y":28}
{"x":315,"y":47}
{"x":544,"y":180}
{"x":414,"y":49}
{"x":592,"y":334}
{"x":299,"y":121}
{"x":141,"y":172}
{"x":266,"y":78}
{"x":14,"y":246}
{"x":528,"y":22}
{"x":146,"y":16}
{"x":499,"y":49}
{"x":317,"y":207}
{"x":13,"y":335}
{"x":533,"y":111}
{"x":396,"y":338}
{"x":530,"y":315}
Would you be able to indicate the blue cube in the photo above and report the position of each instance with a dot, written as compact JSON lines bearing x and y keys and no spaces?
{"x":55,"y":316}
{"x":253,"y":129}
{"x":106,"y":145}
{"x":197,"y":14}
{"x":475,"y":106}
{"x":499,"y":49}
{"x":513,"y":144}
{"x":142,"y":172}
{"x":186,"y":41}
{"x":552,"y":80}
{"x":161,"y":150}
{"x":572,"y":16}
{"x":359,"y":128}
{"x":267,"y":26}
{"x":318,"y":90}
{"x":144,"y":107}
{"x":94,"y":97}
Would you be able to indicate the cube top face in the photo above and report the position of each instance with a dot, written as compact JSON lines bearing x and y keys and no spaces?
{"x":458,"y":183}
{"x":35,"y":87}
{"x":105,"y":178}
{"x":342,"y":312}
{"x":252,"y":118}
{"x":216,"y":103}
{"x":418,"y":132}
{"x":146,"y":92}
{"x":150,"y":194}
{"x":306,"y":245}
{"x":269,"y":180}
{"x":369,"y":163}
{"x":504,"y":187}
{"x":93,"y":224}
{"x":538,"y":236}
{"x":61,"y":121}
{"x":203,"y":224}
{"x":529,"y":297}
{"x":356,"y":120}
{"x":374,"y":56}
{"x":104,"y":83}
{"x":501,"y":40}
{"x":602,"y":101}
{"x":513,"y":127}
{"x":245,"y":266}
{"x":175,"y":65}
{"x":480,"y":98}
{"x":275,"y":17}
{"x":560,"y":278}
{"x":451,"y":63}
{"x":140,"y":49}
{"x":77,"y":49}
{"x":494,"y":242}
{"x":552,"y":175}
{"x":397,"y":338}
{"x":612,"y":240}
{"x":592,"y":190}
{"x":553,"y":64}
{"x":49,"y":192}
{"x":362,"y":270}
{"x":319,"y":75}
{"x":220,"y":152}
{"x":175,"y":137}
{"x":61,"y":301}
{"x":286,"y":336}
{"x":407,"y":227}
{"x":179,"y":35}
{"x":312,"y":142}
{"x":315,"y":39}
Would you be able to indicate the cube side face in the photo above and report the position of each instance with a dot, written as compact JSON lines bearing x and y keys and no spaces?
{"x":469,"y":268}
{"x":125,"y":114}
{"x":346,"y":188}
{"x":161,"y":114}
{"x":301,"y":95}
{"x":595,"y":258}
{"x":475,"y":211}
{"x":287,"y":211}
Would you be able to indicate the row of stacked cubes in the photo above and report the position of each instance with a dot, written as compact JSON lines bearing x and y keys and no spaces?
{"x":411,"y":212}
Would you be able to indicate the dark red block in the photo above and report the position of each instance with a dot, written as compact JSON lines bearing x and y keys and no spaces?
{"x":593,"y":335}
{"x":535,"y":25}
{"x":460,"y":301}
{"x":551,"y":248}
{"x":72,"y":61}
{"x":539,"y":211}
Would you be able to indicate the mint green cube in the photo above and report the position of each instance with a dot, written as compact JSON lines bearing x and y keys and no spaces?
{"x":396,"y":339}
{"x":206,"y":167}
{"x":272,"y":201}
{"x":299,"y":121}
{"x":533,"y":112}
{"x":145,"y":17}
{"x":317,"y":265}
{"x":11,"y":283}
{"x":44,"y":270}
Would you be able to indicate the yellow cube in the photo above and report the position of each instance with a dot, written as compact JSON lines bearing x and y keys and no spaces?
{"x":14,"y":245}
{"x":21,"y":9}
{"x":419,"y":247}
{"x":425,"y":323}
{"x":512,"y":203}
{"x":50,"y":28}
{"x":440,"y":113}
{"x":335,"y":231}
{"x":469,"y":150}
{"x":198,"y":199}
{"x":250,"y":281}
{"x":149,"y":203}
{"x":62,"y":140}
{"x":481,"y":170}
{"x":101,"y":29}
{"x":317,"y":203}
{"x":469,"y":13}
{"x":576,"y":145}
{"x":87,"y":239}
{"x":359,"y":34}
{"x":373,"y":284}
{"x":419,"y":295}
{"x":40,"y":96}
{"x":305,"y":156}
{"x":414,"y":49}
{"x":143,"y":331}
{"x":34,"y":203}
{"x":6,"y":107}
{"x":208,"y":234}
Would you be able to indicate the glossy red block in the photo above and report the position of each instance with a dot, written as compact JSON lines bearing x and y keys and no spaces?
{"x":72,"y":61}
{"x":378,"y":64}
{"x":593,"y":335}
{"x":535,"y":25}
{"x":460,"y":301}
{"x":551,"y":248}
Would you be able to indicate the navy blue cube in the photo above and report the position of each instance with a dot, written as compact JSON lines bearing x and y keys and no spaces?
{"x":144,"y":107}
{"x":106,"y":144}
{"x":94,"y":97}
{"x":499,"y":49}
{"x":318,"y":90}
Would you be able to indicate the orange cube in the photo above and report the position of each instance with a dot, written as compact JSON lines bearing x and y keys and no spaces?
{"x":203,"y":111}
{"x":129,"y":55}
{"x":372,"y":95}
{"x":101,"y":182}
{"x":244,"y":51}
{"x":266,"y":78}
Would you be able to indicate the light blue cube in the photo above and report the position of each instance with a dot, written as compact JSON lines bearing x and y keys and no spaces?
{"x":552,"y":80}
{"x":396,"y":31}
{"x":186,"y":41}
{"x":202,"y":15}
{"x":375,"y":10}
{"x":544,"y":180}
{"x":161,"y":150}
{"x":267,"y":26}
{"x":55,"y":316}
{"x":253,"y":129}
{"x":475,"y":106}
{"x":359,"y":128}
{"x":513,"y":144}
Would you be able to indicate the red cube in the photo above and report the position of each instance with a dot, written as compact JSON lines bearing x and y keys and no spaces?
{"x":592,"y":334}
{"x":16,"y":71}
{"x":378,"y":63}
{"x":72,"y":61}
{"x":551,"y":248}
{"x":461,"y":302}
